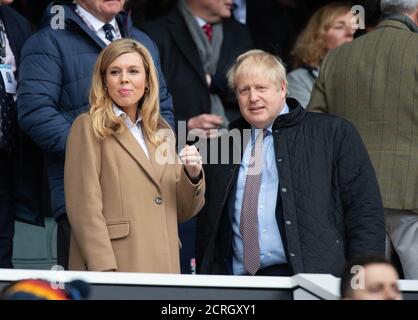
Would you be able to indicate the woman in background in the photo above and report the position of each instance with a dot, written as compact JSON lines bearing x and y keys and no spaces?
{"x":124,"y":200}
{"x":327,"y":29}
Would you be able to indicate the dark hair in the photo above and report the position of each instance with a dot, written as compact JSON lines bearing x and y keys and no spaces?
{"x":359,"y":260}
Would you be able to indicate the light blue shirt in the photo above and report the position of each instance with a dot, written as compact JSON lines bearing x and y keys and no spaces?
{"x":271,"y":245}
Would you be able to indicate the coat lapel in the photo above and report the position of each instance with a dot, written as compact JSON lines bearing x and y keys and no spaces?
{"x":129,"y":143}
{"x":185,"y":43}
{"x":158,"y":166}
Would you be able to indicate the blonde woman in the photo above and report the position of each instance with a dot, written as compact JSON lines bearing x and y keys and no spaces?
{"x":327,"y":29}
{"x":124,"y":200}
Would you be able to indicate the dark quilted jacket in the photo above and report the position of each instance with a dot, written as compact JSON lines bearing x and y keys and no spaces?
{"x":330,"y":199}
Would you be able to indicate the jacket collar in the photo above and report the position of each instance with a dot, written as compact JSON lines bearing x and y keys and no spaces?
{"x":399,"y":22}
{"x":153,"y":168}
{"x":74,"y":23}
{"x":182,"y":37}
{"x":295,"y":116}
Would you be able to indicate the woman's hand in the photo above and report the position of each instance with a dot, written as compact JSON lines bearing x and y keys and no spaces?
{"x":192,"y":161}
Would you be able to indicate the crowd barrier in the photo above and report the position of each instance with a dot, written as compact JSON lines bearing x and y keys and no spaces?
{"x":128,"y":286}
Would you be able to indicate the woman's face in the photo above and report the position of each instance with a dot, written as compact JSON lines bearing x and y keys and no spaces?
{"x":126,"y":80}
{"x":340,"y":31}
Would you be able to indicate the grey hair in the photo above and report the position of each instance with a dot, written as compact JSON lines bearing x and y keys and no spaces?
{"x":398,"y":6}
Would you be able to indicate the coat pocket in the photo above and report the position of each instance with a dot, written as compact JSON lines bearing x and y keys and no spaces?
{"x":118,"y":230}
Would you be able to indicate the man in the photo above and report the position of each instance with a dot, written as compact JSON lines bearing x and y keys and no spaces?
{"x":370,"y":278}
{"x":372,"y":83}
{"x":57,"y":63}
{"x":198,"y":43}
{"x":14,"y":30}
{"x":304,"y":200}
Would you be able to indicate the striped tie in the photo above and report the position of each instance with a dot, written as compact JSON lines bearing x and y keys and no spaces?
{"x":249,"y":209}
{"x":108,"y":32}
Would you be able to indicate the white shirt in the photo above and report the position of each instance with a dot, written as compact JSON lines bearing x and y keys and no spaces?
{"x":97,"y":25}
{"x":134,"y":128}
{"x":200,"y":21}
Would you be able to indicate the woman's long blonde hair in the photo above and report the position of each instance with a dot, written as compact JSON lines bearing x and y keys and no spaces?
{"x":311,"y":47}
{"x":105,"y":121}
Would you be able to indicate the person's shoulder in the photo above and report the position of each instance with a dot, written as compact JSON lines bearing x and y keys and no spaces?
{"x":299,"y":73}
{"x":45,"y":41}
{"x":14,"y":15}
{"x":327,"y":121}
{"x":143,"y":38}
{"x":83,"y":118}
{"x":158,"y":27}
{"x":234,"y":24}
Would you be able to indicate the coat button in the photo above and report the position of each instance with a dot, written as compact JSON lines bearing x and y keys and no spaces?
{"x":292,"y":255}
{"x":337,"y":242}
{"x":288,"y":222}
{"x":158,"y":200}
{"x":279,"y":160}
{"x":284,"y":190}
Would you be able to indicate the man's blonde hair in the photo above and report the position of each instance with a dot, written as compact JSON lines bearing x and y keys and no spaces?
{"x":257,"y":62}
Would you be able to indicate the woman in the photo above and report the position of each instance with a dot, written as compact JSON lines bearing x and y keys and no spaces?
{"x":327,"y":29}
{"x":124,"y":200}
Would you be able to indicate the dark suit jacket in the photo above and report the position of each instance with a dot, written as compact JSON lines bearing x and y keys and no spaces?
{"x":273,"y":26}
{"x":373,"y":83}
{"x":17,"y":29}
{"x":183,"y":69}
{"x":27,"y":159}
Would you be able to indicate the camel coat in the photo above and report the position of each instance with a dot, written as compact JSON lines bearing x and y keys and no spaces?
{"x":123,"y":207}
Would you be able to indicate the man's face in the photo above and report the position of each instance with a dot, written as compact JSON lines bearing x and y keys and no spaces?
{"x":5,"y":2}
{"x":215,"y":10}
{"x":104,"y":10}
{"x":380,"y":283}
{"x":260,"y":99}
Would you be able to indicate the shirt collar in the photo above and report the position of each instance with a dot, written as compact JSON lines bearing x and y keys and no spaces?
{"x":284,"y":111}
{"x":200,"y":21}
{"x":120,"y":113}
{"x":94,"y":22}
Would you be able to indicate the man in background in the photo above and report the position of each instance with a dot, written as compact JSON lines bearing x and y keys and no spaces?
{"x":370,"y":277}
{"x":14,"y":30}
{"x":372,"y":82}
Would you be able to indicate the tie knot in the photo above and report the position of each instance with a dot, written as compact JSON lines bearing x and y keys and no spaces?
{"x":108,"y":28}
{"x":207,"y":28}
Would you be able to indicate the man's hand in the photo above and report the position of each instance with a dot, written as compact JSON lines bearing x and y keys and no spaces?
{"x":192,"y":161}
{"x":205,"y":122}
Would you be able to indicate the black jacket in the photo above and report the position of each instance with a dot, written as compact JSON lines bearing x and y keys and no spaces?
{"x":183,"y":69}
{"x":28,"y":190}
{"x":329,"y":205}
